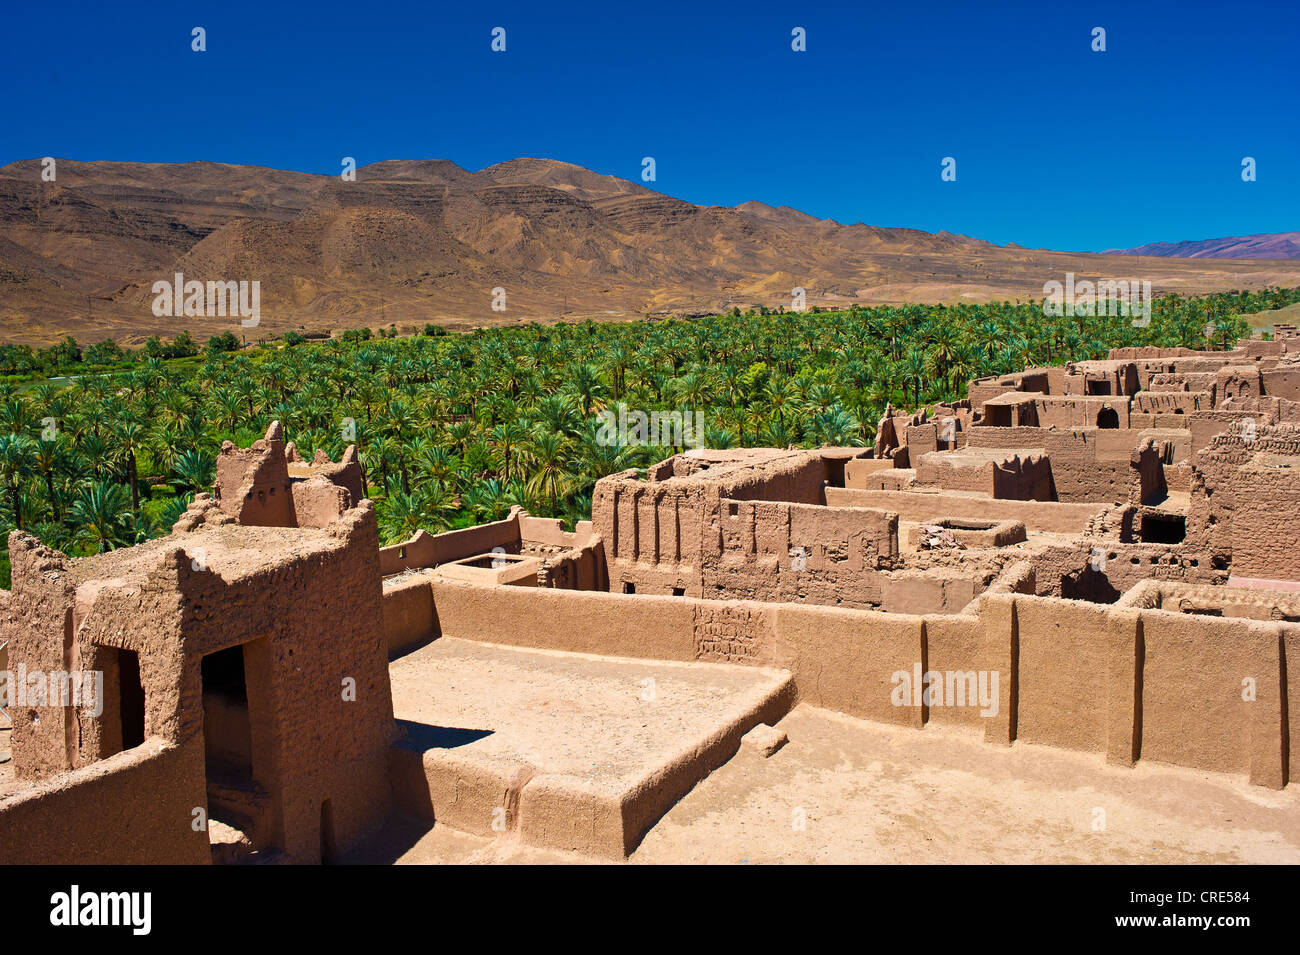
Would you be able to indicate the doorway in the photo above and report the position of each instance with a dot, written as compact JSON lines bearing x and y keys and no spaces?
{"x":227,"y":734}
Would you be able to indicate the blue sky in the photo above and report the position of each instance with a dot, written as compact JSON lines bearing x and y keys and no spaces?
{"x":1056,"y":145}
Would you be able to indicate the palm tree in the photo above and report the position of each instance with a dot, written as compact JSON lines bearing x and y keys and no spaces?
{"x":489,"y":500}
{"x":505,"y":438}
{"x":546,"y":456}
{"x":195,"y":470}
{"x":172,"y":512}
{"x":101,"y":516}
{"x":47,"y":457}
{"x":403,"y":514}
{"x":130,"y":435}
{"x":17,"y":464}
{"x":836,"y":427}
{"x":913,"y":368}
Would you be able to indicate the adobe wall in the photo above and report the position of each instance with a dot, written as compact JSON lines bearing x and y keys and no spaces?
{"x":579,"y":568}
{"x":423,"y":549}
{"x":1046,"y":380}
{"x":1205,"y":425}
{"x":135,"y":808}
{"x":757,"y":530}
{"x":774,"y":551}
{"x":267,"y":485}
{"x":346,"y":473}
{"x":885,"y":479}
{"x":1148,"y":684}
{"x":925,"y":505}
{"x":1107,"y":377}
{"x":1134,"y":352}
{"x":1079,"y":411}
{"x":1101,"y":570}
{"x":933,"y":590}
{"x":409,"y":617}
{"x":1109,"y":680}
{"x":1171,"y":402}
{"x":648,"y":627}
{"x":1282,"y":382}
{"x":1021,"y":475}
{"x":1245,"y":495}
{"x":1087,"y":464}
{"x":857,"y":473}
{"x":1063,"y":658}
{"x":1193,"y":707}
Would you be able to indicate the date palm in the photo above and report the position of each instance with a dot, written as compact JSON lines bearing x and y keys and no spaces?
{"x":194,"y":471}
{"x":102,"y":516}
{"x":546,"y":459}
{"x":129,"y":435}
{"x":17,"y":464}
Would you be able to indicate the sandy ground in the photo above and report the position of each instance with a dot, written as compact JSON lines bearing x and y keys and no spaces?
{"x":849,"y":791}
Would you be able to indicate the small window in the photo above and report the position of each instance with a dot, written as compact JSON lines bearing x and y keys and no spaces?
{"x":629,"y":588}
{"x":679,"y":591}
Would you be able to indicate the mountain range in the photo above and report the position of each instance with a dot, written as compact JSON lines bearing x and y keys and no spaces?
{"x":1275,"y":245}
{"x":415,"y":241}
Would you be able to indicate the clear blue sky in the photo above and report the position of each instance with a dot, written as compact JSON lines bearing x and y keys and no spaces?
{"x":1056,"y":146}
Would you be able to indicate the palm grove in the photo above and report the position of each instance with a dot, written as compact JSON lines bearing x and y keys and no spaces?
{"x":454,"y":429}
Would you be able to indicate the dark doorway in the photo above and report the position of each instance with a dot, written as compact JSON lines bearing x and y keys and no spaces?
{"x":227,"y":737}
{"x":328,"y":846}
{"x":1107,"y":418}
{"x":130,"y":698}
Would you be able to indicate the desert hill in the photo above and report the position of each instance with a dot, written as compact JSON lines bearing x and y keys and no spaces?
{"x":415,"y":241}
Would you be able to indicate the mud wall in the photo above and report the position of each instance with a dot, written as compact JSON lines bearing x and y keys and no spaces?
{"x":914,"y":506}
{"x":1245,"y":496}
{"x":428,"y":550}
{"x":135,"y":808}
{"x":1109,"y":680}
{"x":1086,"y":463}
{"x":409,"y":619}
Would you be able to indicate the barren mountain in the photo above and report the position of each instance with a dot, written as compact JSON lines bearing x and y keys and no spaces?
{"x":1275,"y":245}
{"x":418,"y":241}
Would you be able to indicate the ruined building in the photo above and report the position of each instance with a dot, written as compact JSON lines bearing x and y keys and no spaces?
{"x":1112,"y":540}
